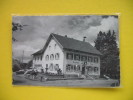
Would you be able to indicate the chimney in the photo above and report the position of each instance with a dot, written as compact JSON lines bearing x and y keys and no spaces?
{"x":65,"y":35}
{"x":84,"y":38}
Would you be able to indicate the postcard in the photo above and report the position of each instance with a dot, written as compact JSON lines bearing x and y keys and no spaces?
{"x":69,"y":50}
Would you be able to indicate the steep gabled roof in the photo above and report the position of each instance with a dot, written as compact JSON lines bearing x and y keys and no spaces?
{"x":71,"y":44}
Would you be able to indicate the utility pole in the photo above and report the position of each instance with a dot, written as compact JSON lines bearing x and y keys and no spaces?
{"x":22,"y":56}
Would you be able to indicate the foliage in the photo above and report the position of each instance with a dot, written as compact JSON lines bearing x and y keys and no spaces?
{"x":15,"y":27}
{"x":29,"y":65}
{"x":106,"y":44}
{"x":16,"y":65}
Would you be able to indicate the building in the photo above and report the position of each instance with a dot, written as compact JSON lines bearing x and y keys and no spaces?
{"x":72,"y":57}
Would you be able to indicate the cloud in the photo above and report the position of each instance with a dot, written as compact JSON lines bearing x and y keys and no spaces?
{"x":110,"y":23}
{"x":106,"y":24}
{"x":34,"y":36}
{"x":23,"y":51}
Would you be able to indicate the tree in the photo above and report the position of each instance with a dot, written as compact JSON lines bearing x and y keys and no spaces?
{"x":30,"y":63}
{"x":17,"y":65}
{"x":99,"y":42}
{"x":15,"y":27}
{"x":106,"y":44}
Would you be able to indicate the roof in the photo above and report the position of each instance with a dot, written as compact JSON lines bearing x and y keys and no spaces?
{"x":38,"y":52}
{"x":72,"y":44}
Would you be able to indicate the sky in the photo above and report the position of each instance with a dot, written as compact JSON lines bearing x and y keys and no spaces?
{"x":38,"y":28}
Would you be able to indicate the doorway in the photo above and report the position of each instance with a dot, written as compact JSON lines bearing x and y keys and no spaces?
{"x":83,"y":70}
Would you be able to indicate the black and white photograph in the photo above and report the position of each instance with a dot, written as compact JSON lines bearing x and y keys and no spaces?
{"x":66,"y":50}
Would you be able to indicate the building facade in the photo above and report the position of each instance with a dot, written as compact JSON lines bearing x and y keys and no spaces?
{"x":71,"y":56}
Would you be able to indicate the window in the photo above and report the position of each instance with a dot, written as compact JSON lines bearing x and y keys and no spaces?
{"x":74,"y":67}
{"x":70,"y":56}
{"x":57,"y":56}
{"x":71,"y":68}
{"x":35,"y":58}
{"x":47,"y":57}
{"x":51,"y":67}
{"x":76,"y":57}
{"x":78,"y":67}
{"x":83,"y":58}
{"x":49,"y":47}
{"x":89,"y":69}
{"x":55,"y":46}
{"x":46,"y":65}
{"x":46,"y":68}
{"x":89,"y":59}
{"x":96,"y":59}
{"x":41,"y":58}
{"x":68,"y":67}
{"x":56,"y":67}
{"x":51,"y":57}
{"x":95,"y":69}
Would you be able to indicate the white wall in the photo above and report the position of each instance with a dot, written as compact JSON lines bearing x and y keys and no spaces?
{"x":37,"y":62}
{"x":62,"y":61}
{"x":53,"y":50}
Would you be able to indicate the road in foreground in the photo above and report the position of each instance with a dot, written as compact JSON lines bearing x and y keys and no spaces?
{"x":21,"y":80}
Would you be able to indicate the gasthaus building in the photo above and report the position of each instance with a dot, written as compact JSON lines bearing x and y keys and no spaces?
{"x":72,"y":57}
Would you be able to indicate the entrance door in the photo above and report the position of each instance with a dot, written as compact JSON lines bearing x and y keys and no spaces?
{"x":83,"y":70}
